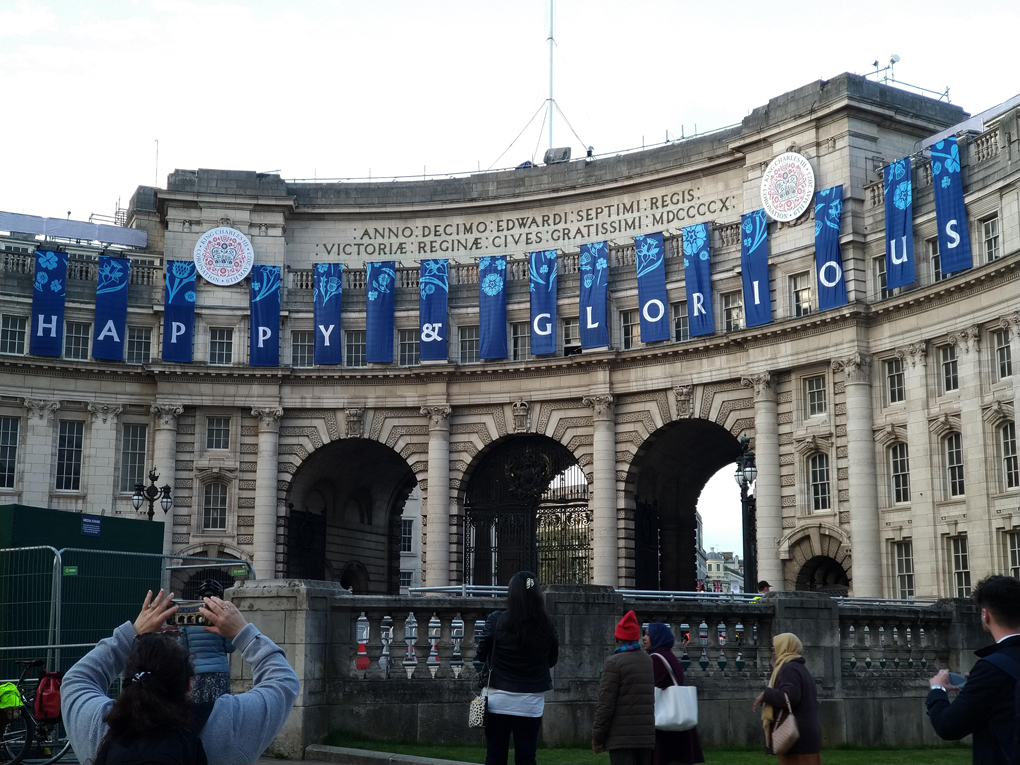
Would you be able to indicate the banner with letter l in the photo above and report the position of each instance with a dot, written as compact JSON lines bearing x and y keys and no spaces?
{"x":264,"y":337}
{"x":328,"y":293}
{"x":754,"y":268}
{"x":434,"y":290}
{"x":594,"y":267}
{"x":46,"y":332}
{"x":111,"y":308}
{"x":650,"y":261}
{"x":542,"y":279}
{"x":899,"y":224}
{"x":950,"y":212}
{"x":380,"y":284}
{"x":698,"y":280}
{"x":492,"y":307}
{"x":828,"y":260}
{"x":179,"y":311}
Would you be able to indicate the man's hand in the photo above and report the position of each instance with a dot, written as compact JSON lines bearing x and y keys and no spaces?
{"x":759,"y":700}
{"x":597,"y":748}
{"x":942,"y":678}
{"x":154,"y":614}
{"x":224,"y":618}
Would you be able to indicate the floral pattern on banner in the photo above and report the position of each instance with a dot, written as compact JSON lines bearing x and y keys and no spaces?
{"x":897,"y":180}
{"x":179,"y":275}
{"x":112,"y":275}
{"x":594,"y":264}
{"x":828,"y":209}
{"x":328,"y":282}
{"x":648,"y":254}
{"x":46,"y":262}
{"x":542,"y":270}
{"x":380,"y":279}
{"x":265,"y":282}
{"x":695,"y":243}
{"x":435,"y":274}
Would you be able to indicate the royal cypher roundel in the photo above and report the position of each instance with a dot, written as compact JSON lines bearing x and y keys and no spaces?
{"x":224,"y":256}
{"x":787,"y":187}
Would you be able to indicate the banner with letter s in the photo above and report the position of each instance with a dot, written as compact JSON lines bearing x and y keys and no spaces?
{"x":328,"y":293}
{"x":899,"y":224}
{"x":950,"y":212}
{"x":179,"y":311}
{"x":542,"y":279}
{"x":434,"y":290}
{"x":492,"y":307}
{"x":264,"y":337}
{"x":754,"y":268}
{"x":48,"y":295}
{"x":111,"y":308}
{"x":650,"y":261}
{"x":828,"y":260}
{"x":594,"y":267}
{"x":380,"y":284}
{"x":698,"y":280}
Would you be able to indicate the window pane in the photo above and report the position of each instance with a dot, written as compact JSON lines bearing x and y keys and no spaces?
{"x":302,"y":349}
{"x":71,"y":435}
{"x":935,"y":260}
{"x":733,"y":311}
{"x":880,"y":277}
{"x":139,"y":345}
{"x":954,"y":464}
{"x":520,"y":335}
{"x":214,"y":507}
{"x":76,"y":341}
{"x":217,"y":433}
{"x":1014,"y":554}
{"x":894,"y":381}
{"x":406,"y":579}
{"x":406,"y":535}
{"x":221,"y":346}
{"x":815,"y":394}
{"x":1003,"y":355}
{"x":9,"y":429}
{"x":961,"y":566}
{"x":355,"y":348}
{"x":681,"y":328}
{"x":469,"y":340}
{"x":571,"y":336}
{"x":820,"y":482}
{"x":950,"y":371}
{"x":1010,"y":466}
{"x":990,"y":234}
{"x":900,"y":470}
{"x":905,"y":569}
{"x":409,"y":347}
{"x":629,"y":329}
{"x":132,"y":457}
{"x":12,"y":334}
{"x":800,"y":293}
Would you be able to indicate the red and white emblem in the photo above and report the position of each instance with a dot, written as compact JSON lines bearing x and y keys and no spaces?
{"x":787,"y":187}
{"x":224,"y":256}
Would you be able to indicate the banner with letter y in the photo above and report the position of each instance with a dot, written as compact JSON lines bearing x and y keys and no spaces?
{"x":328,"y":294}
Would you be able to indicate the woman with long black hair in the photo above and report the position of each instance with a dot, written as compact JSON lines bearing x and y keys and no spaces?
{"x":519,"y":646}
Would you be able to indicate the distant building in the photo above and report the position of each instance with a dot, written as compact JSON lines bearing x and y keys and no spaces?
{"x":725,"y":573}
{"x":699,"y":548}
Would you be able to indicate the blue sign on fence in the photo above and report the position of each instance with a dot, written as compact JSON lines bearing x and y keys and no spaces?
{"x":90,"y":525}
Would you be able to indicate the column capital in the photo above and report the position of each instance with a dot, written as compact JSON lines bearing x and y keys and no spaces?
{"x":438,"y":414}
{"x":966,"y":338}
{"x":1011,"y":321}
{"x":917,"y":353}
{"x":762,"y":384}
{"x":856,"y":366}
{"x":269,"y":417}
{"x":105,"y":412}
{"x":601,"y":406}
{"x":166,"y":414}
{"x":39,"y":408}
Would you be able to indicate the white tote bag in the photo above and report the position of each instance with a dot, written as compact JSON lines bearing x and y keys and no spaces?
{"x":676,"y":707}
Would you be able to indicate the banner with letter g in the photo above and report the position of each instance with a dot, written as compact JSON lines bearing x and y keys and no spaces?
{"x":542,"y":277}
{"x":179,"y":311}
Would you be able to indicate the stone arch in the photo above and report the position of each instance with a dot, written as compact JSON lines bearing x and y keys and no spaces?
{"x":185,"y":581}
{"x":806,"y":554}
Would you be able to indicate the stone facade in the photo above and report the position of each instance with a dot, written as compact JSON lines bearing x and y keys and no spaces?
{"x":882,"y":429}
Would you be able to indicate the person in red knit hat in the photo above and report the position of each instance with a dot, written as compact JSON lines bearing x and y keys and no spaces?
{"x":625,"y":713}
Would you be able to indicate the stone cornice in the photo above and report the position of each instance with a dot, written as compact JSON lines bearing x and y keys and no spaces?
{"x":997,"y":413}
{"x":944,"y":424}
{"x":890,"y":434}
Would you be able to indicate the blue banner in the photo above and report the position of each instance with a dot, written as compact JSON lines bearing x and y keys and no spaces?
{"x":698,"y":278}
{"x":492,"y":307}
{"x":264,"y":337}
{"x":754,"y":268}
{"x":434,"y":289}
{"x":111,"y":308}
{"x":542,"y":278}
{"x":594,"y":266}
{"x":328,"y":289}
{"x":828,"y":260}
{"x":950,"y":212}
{"x":650,"y":260}
{"x":179,"y":311}
{"x":899,"y":224}
{"x":47,"y":328}
{"x":380,"y":284}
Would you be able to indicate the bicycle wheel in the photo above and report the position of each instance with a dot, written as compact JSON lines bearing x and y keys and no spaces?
{"x":49,"y":744}
{"x":17,"y":739}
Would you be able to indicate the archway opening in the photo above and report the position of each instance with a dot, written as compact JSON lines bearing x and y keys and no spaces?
{"x":823,"y":574}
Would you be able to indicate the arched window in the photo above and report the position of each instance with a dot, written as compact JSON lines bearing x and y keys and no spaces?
{"x":899,"y":470}
{"x":1010,"y":465}
{"x":818,"y":467}
{"x":214,"y":507}
{"x":953,"y":451}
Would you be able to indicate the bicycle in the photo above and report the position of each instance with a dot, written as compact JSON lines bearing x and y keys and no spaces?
{"x":26,"y":740}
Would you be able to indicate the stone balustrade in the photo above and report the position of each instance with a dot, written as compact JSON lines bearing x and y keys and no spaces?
{"x":79,"y":268}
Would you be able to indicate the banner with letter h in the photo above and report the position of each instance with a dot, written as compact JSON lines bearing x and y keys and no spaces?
{"x":48,"y":295}
{"x":179,"y":311}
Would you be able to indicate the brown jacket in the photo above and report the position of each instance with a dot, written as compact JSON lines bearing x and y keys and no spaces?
{"x":625,"y":715}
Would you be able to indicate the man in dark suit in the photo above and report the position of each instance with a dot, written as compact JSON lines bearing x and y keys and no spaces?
{"x":986,"y":706}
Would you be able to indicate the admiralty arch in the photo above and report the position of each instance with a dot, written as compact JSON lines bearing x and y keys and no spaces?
{"x":883,"y":429}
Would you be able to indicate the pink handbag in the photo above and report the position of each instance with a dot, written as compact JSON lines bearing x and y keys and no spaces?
{"x":785,"y":732}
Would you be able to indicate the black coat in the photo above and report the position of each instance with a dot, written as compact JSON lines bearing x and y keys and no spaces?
{"x":512,"y":666}
{"x":673,"y":746}
{"x":799,"y":686}
{"x":983,"y":708}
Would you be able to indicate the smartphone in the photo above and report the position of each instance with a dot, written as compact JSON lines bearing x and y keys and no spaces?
{"x":955,"y":678}
{"x":187,"y":613}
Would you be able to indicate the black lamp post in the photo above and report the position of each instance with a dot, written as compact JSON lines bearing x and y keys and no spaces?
{"x":151,"y":493}
{"x":745,"y":474}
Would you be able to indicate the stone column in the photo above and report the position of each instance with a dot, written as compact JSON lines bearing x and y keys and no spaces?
{"x":266,"y":471}
{"x":866,"y":577}
{"x":605,"y":543}
{"x":164,"y":459}
{"x":437,"y":498}
{"x":102,"y":451}
{"x":767,"y":492}
{"x":1012,"y":323}
{"x":38,"y":481}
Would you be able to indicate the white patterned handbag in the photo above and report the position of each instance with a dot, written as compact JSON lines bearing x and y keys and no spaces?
{"x":676,"y":707}
{"x":478,"y":709}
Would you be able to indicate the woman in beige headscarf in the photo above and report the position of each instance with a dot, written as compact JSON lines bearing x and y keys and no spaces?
{"x":792,"y":683}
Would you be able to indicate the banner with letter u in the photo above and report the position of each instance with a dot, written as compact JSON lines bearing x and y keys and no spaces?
{"x":328,"y":293}
{"x":594,"y":267}
{"x":179,"y":311}
{"x":650,"y":260}
{"x":754,"y":268}
{"x":698,"y":280}
{"x":950,"y":212}
{"x":434,"y":290}
{"x":828,"y":260}
{"x":380,"y":285}
{"x":48,"y":295}
{"x":899,"y":224}
{"x":542,"y":278}
{"x":111,"y":308}
{"x":264,"y":337}
{"x":492,"y":307}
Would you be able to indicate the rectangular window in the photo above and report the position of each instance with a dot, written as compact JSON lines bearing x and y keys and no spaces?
{"x":217,"y":433}
{"x":935,"y":261}
{"x":819,"y":468}
{"x":800,"y":293}
{"x":76,"y":341}
{"x":70,"y":437}
{"x":1003,"y":355}
{"x":1010,"y":466}
{"x":355,"y":348}
{"x":571,"y":337}
{"x":954,"y":465}
{"x":990,"y":236}
{"x":302,"y":349}
{"x":132,"y":457}
{"x":950,"y":370}
{"x":9,"y":429}
{"x":12,"y":334}
{"x":733,"y":311}
{"x":406,"y":579}
{"x":904,"y":570}
{"x":880,"y":278}
{"x":681,"y":327}
{"x":406,"y":535}
{"x":469,"y":344}
{"x":1013,"y":538}
{"x":894,"y":387}
{"x":214,"y":507}
{"x":139,"y":345}
{"x":629,"y":324}
{"x":409,"y":347}
{"x":520,"y":336}
{"x":899,"y":468}
{"x":814,"y":395}
{"x":961,"y":566}
{"x":221,"y":345}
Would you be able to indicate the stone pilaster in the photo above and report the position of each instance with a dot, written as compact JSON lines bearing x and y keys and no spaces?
{"x":266,"y":469}
{"x":767,"y":491}
{"x":437,"y":543}
{"x":605,"y":552}
{"x":1012,"y":323}
{"x":38,"y":481}
{"x":103,"y":456}
{"x":164,"y":459}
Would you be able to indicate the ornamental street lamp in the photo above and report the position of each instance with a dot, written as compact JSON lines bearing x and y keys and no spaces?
{"x":151,"y":493}
{"x":744,"y":476}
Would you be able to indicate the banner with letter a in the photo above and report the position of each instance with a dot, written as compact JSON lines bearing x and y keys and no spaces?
{"x":650,"y":260}
{"x":328,"y":293}
{"x":950,"y":212}
{"x":434,"y":289}
{"x":492,"y":307}
{"x":594,"y":267}
{"x":380,"y":284}
{"x":542,"y":278}
{"x":754,"y":268}
{"x":111,"y":308}
{"x":899,"y":224}
{"x":48,"y":294}
{"x":698,"y":278}
{"x":828,"y":260}
{"x":179,"y":311}
{"x":264,"y":337}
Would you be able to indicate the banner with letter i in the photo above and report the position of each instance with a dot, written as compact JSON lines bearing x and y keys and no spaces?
{"x":698,"y":280}
{"x":950,"y":212}
{"x":434,"y":290}
{"x":542,"y":278}
{"x":264,"y":337}
{"x":899,"y":224}
{"x":650,"y":261}
{"x":754,"y":268}
{"x":828,"y":259}
{"x":492,"y":307}
{"x":48,"y":295}
{"x":111,"y":308}
{"x":328,"y":291}
{"x":380,"y":284}
{"x":179,"y":311}
{"x":594,"y":266}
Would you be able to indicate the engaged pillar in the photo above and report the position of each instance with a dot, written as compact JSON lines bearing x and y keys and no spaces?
{"x":39,"y":440}
{"x":265,"y":491}
{"x":606,"y":553}
{"x":164,"y":459}
{"x":437,"y":541}
{"x":767,"y":492}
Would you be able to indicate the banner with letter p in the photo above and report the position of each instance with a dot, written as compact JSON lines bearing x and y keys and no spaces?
{"x":542,"y":278}
{"x":179,"y":311}
{"x":950,"y":212}
{"x":111,"y":308}
{"x":434,"y":290}
{"x":264,"y":338}
{"x":754,"y":268}
{"x":48,"y":295}
{"x":698,"y":280}
{"x":650,"y":261}
{"x":594,"y":267}
{"x":899,"y":224}
{"x":828,"y":260}
{"x":328,"y":293}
